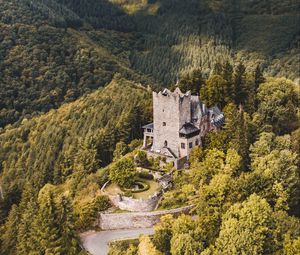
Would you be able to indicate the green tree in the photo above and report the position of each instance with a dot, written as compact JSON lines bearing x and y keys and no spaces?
{"x":272,"y":158}
{"x":123,"y":171}
{"x":86,"y":159}
{"x":45,"y":230}
{"x":215,"y":91}
{"x":204,"y":171}
{"x":25,"y":238}
{"x":8,"y":239}
{"x":258,"y":77}
{"x":121,"y":150}
{"x":239,"y":80}
{"x":146,"y":247}
{"x":277,"y":102}
{"x":247,"y":228}
{"x":183,"y":244}
{"x":191,"y":82}
{"x":65,"y":223}
{"x":163,"y":234}
{"x":28,"y":209}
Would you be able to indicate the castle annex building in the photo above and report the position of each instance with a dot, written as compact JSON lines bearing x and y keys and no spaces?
{"x":179,"y":122}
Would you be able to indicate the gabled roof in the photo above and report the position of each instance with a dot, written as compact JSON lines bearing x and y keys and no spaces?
{"x":150,"y":126}
{"x":188,"y":128}
{"x":215,"y":110}
{"x":218,"y":117}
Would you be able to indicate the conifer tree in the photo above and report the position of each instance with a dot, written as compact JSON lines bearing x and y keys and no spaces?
{"x":25,"y":240}
{"x":258,"y":77}
{"x":8,"y":238}
{"x":45,"y":230}
{"x":86,"y":159}
{"x":239,"y":84}
{"x":65,"y":223}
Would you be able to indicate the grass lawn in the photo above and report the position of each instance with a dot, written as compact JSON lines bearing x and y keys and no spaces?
{"x":154,"y":187}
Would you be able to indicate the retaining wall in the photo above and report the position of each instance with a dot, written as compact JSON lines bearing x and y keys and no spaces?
{"x":135,"y":205}
{"x":110,"y":221}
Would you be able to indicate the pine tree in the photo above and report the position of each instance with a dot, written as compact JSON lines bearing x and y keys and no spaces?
{"x":25,"y":240}
{"x":86,"y":159}
{"x":45,"y":227}
{"x":65,"y":223}
{"x":239,"y":84}
{"x":8,"y":239}
{"x":258,"y":77}
{"x":229,"y":91}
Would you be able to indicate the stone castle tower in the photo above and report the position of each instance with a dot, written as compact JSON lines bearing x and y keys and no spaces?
{"x":170,"y":112}
{"x":179,"y":122}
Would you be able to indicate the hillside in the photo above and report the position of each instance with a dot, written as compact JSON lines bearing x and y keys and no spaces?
{"x":53,"y":52}
{"x":46,"y":148}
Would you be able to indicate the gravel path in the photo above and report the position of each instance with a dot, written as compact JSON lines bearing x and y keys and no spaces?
{"x":97,"y":242}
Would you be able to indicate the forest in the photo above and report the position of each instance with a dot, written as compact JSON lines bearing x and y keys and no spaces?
{"x":52,"y":52}
{"x":75,"y":89}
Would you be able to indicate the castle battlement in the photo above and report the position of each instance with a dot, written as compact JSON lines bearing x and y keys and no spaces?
{"x":177,"y":94}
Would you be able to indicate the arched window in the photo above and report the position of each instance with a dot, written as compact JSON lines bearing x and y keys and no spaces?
{"x":166,"y":143}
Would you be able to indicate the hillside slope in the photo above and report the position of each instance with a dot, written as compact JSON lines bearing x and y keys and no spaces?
{"x":82,"y":134}
{"x":53,"y":51}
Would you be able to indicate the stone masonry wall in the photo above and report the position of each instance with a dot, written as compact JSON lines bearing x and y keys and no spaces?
{"x":174,"y":110}
{"x":135,"y":205}
{"x":110,"y":221}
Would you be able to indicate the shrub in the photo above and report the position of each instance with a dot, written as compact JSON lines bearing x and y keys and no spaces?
{"x":141,"y":158}
{"x":145,"y":187}
{"x":145,"y":175}
{"x":89,"y":213}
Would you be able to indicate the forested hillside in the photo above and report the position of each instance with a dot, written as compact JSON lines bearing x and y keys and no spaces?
{"x":53,"y":52}
{"x":75,"y":88}
{"x":244,"y":182}
{"x":79,"y":136}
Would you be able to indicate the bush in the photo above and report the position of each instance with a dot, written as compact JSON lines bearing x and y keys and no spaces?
{"x":141,"y":158}
{"x":145,"y":175}
{"x":89,"y":213}
{"x":146,"y":186}
{"x":123,"y":247}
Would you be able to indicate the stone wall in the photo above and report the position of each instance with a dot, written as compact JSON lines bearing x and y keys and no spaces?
{"x":179,"y":163}
{"x":135,"y":205}
{"x":110,"y":221}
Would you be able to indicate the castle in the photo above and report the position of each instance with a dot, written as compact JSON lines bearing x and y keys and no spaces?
{"x":179,"y":122}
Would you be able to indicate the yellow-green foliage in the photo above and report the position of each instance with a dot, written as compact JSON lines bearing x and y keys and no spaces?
{"x":79,"y":137}
{"x":54,"y":51}
{"x":146,"y":247}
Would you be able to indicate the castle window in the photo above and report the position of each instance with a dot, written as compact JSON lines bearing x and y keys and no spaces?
{"x":166,"y":143}
{"x":190,"y":145}
{"x":197,"y":142}
{"x":164,"y":124}
{"x":182,"y":145}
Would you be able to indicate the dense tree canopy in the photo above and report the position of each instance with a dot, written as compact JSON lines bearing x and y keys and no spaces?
{"x":73,"y":99}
